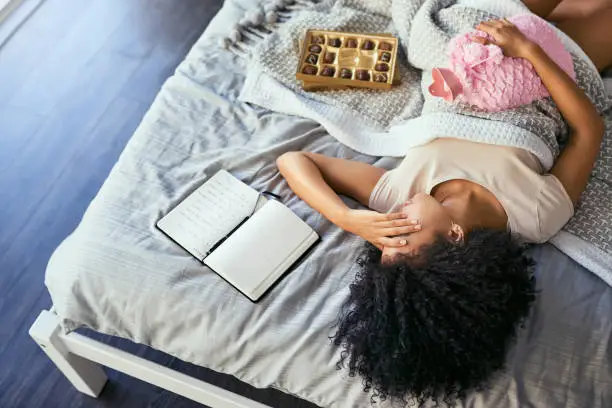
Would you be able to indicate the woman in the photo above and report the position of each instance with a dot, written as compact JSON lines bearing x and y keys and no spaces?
{"x":446,"y":281}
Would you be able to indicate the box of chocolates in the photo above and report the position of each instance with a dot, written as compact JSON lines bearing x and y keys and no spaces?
{"x":334,"y":59}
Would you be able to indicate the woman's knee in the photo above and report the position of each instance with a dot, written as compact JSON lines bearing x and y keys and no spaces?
{"x":284,"y":160}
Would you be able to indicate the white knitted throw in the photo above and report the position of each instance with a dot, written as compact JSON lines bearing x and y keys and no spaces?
{"x":387,"y":123}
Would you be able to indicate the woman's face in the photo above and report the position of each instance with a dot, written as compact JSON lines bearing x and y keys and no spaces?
{"x":434,"y":220}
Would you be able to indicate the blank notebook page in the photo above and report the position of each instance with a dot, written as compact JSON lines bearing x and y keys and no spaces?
{"x":252,"y":256}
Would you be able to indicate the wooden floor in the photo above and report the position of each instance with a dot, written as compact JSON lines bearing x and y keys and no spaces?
{"x":75,"y":81}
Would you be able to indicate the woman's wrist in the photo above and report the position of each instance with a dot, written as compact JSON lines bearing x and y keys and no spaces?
{"x":531,"y":51}
{"x":340,"y":217}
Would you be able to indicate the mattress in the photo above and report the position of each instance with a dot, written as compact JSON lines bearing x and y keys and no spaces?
{"x":118,"y":275}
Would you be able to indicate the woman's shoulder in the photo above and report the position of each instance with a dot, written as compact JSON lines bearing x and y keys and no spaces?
{"x":539,"y":214}
{"x":537,"y":205}
{"x":554,"y":207}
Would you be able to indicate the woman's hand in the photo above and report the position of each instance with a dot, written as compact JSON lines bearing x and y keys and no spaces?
{"x":507,"y":36}
{"x":379,"y":229}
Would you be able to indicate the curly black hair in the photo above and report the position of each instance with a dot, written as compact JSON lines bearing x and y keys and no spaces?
{"x":440,"y":327}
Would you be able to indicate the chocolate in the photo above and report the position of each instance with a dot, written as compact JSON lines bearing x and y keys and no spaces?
{"x":380,"y":78}
{"x":363,"y":75}
{"x":346,"y":73}
{"x":381,"y":67}
{"x":315,"y":48}
{"x":312,"y":59}
{"x":351,"y":43}
{"x":368,"y":45}
{"x":334,"y":42}
{"x":340,"y":60}
{"x":329,"y":57}
{"x":328,"y":71}
{"x":310,"y":70}
{"x":318,"y":39}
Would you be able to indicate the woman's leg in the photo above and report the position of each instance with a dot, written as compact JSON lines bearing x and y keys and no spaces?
{"x":594,"y":35}
{"x":561,"y":10}
{"x":542,"y":8}
{"x":571,"y":9}
{"x":588,"y":22}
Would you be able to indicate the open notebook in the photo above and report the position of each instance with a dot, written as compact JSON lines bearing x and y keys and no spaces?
{"x":245,"y":238}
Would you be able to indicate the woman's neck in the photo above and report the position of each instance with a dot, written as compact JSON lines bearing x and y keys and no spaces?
{"x":471,"y":205}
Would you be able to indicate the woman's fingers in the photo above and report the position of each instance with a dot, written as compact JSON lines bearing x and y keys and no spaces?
{"x":400,"y":222}
{"x":391,"y":216}
{"x":394,"y":231}
{"x":493,"y":25}
{"x":485,"y":23}
{"x":396,"y":237}
{"x":489,"y":29}
{"x":393,"y":242}
{"x":481,"y":40}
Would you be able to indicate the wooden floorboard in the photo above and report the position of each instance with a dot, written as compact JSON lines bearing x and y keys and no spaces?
{"x":75,"y":81}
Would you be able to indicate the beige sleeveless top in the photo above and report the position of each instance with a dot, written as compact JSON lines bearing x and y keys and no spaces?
{"x":537,"y":205}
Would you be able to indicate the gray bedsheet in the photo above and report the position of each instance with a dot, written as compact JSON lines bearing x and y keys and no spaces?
{"x":118,"y":275}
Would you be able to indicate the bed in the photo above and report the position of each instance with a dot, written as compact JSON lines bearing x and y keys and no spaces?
{"x":118,"y":275}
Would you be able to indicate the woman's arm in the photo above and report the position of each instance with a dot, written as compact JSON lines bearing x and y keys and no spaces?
{"x":318,"y":179}
{"x":574,"y":165}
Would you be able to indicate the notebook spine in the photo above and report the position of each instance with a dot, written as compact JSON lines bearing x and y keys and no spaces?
{"x":211,"y":250}
{"x":266,"y":194}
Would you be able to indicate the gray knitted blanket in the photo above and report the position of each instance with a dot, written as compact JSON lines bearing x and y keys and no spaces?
{"x":387,"y":123}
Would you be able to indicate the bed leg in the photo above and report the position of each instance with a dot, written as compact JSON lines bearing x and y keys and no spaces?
{"x":86,"y":376}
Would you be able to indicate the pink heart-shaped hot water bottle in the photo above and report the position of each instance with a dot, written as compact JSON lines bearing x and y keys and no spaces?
{"x":492,"y":82}
{"x":445,"y":84}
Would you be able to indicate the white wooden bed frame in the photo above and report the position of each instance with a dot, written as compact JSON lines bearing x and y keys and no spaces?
{"x":80,"y":359}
